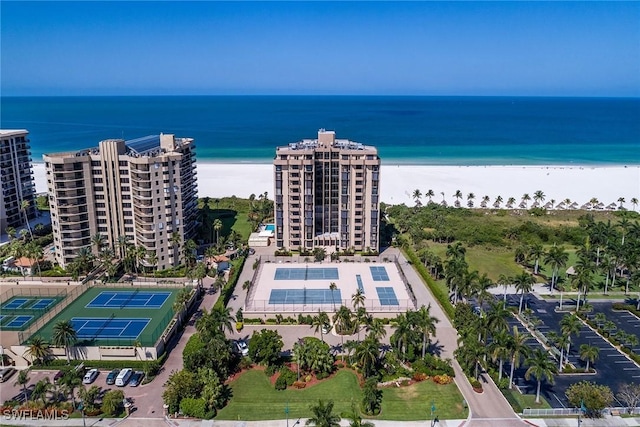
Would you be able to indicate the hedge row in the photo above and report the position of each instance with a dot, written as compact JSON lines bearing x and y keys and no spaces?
{"x":227,"y":291}
{"x":441,"y":296}
{"x":102,"y":364}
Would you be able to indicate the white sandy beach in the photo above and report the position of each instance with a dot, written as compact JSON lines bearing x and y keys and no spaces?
{"x":577,"y":183}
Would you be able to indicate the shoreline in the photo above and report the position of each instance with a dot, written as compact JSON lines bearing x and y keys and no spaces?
{"x":579,"y":183}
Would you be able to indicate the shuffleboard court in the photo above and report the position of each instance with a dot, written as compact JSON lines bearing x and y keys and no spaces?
{"x":129,"y":299}
{"x":18,"y":322}
{"x":119,"y":328}
{"x":15,"y":304}
{"x":304,"y":296}
{"x":306,"y":273}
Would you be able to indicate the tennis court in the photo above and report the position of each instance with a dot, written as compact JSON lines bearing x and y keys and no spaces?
{"x":16,"y":322}
{"x":387,"y":296}
{"x":306,"y":273}
{"x":304,"y":296}
{"x":117,"y":316}
{"x":111,"y":327}
{"x":129,"y":299}
{"x":28,"y":303}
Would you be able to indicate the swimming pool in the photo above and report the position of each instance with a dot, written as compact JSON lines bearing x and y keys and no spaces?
{"x":270,"y":227}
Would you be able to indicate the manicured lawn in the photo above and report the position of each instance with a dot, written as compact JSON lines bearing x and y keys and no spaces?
{"x":254,"y":398}
{"x":414,"y":402}
{"x":520,"y":401}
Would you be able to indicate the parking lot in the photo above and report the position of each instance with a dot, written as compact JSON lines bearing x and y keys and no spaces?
{"x":612,"y":367}
{"x":624,"y":320}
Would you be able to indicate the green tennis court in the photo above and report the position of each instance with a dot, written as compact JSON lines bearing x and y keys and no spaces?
{"x":151,"y":321}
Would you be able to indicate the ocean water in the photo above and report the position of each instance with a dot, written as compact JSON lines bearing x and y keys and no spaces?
{"x":406,"y":130}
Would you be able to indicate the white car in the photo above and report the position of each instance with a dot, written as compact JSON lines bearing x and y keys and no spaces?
{"x":242,"y":347}
{"x":90,"y":376}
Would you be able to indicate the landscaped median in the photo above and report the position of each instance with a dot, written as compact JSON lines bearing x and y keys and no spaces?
{"x":255,"y":398}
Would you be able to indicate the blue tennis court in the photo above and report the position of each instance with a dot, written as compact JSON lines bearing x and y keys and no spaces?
{"x":307,"y":273}
{"x":18,"y":322}
{"x":360,"y":285}
{"x":379,"y":274}
{"x":42,"y":304}
{"x":104,"y":327}
{"x":129,"y":299}
{"x":387,"y":296}
{"x":305,"y":296}
{"x":15,"y":304}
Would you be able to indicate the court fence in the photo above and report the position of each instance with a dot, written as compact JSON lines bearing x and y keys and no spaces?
{"x":169,"y":284}
{"x":69,"y":297}
{"x":32,"y":292}
{"x":558,"y":412}
{"x":372,"y":306}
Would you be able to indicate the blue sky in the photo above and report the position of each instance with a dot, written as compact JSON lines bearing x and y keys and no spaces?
{"x":411,"y":48}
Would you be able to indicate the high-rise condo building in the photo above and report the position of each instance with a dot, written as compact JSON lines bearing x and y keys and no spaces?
{"x":16,"y":178}
{"x":327,"y":194}
{"x":144,"y":190}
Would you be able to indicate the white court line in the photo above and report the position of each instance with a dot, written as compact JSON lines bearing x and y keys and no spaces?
{"x":123,"y":329}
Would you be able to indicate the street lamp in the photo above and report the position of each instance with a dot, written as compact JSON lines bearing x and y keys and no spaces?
{"x":434,"y":417}
{"x":286,"y":413}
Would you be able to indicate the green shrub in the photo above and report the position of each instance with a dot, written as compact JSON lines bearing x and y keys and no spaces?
{"x":441,"y":296}
{"x":270,"y":370}
{"x":140,"y":365}
{"x":281,"y":383}
{"x":193,"y":407}
{"x":288,"y":375}
{"x":112,"y":402}
{"x":239,"y":326}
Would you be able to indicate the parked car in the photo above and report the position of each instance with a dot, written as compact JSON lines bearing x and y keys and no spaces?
{"x":57,"y":376}
{"x":136,"y":379}
{"x":123,"y":377}
{"x":241,"y":347}
{"x":6,"y":373}
{"x":252,"y":251}
{"x":111,"y":377}
{"x":90,"y":376}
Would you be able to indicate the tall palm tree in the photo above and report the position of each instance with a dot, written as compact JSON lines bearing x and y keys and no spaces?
{"x":358,"y":299}
{"x":417,"y":194}
{"x":536,"y":252}
{"x":621,"y":200}
{"x":319,"y":322}
{"x":500,"y":349}
{"x":470,"y":198}
{"x":333,"y":287}
{"x":570,"y":325}
{"x":64,"y":335}
{"x":510,"y":202}
{"x":22,"y":380}
{"x":175,"y":241}
{"x":24,"y":206}
{"x":38,"y":350}
{"x":485,"y":200}
{"x":429,"y":194}
{"x":323,"y":415}
{"x":403,"y":331}
{"x":634,"y":202}
{"x":458,"y":196}
{"x":367,"y":354}
{"x":98,"y":240}
{"x":342,"y":321}
{"x":557,"y":257}
{"x":589,"y":353}
{"x":426,"y":323}
{"x":376,"y":329}
{"x":541,"y":368}
{"x":538,"y":196}
{"x":525,"y":199}
{"x":223,"y":317}
{"x":498,"y":201}
{"x":524,"y":284}
{"x":217,"y":226}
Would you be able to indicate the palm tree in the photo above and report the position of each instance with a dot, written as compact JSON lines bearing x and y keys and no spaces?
{"x":41,"y":389}
{"x":342,"y":321}
{"x":38,"y":350}
{"x":634,"y":202}
{"x":485,"y":200}
{"x":417,"y":194}
{"x":536,"y":252}
{"x":333,"y":287}
{"x":175,"y":241}
{"x":98,"y":241}
{"x":429,"y":194}
{"x":319,"y":322}
{"x":541,"y":368}
{"x":367,"y":354}
{"x":22,"y":381}
{"x":621,"y":200}
{"x":500,"y":348}
{"x":323,"y":415}
{"x":470,"y":198}
{"x":458,"y":196}
{"x":510,"y":202}
{"x":498,"y":201}
{"x":223,"y":317}
{"x":557,"y":257}
{"x":403,"y":331}
{"x":538,"y":196}
{"x":525,"y":199}
{"x":217,"y":226}
{"x":570,"y":325}
{"x":24,"y":206}
{"x":64,"y":335}
{"x":358,"y":299}
{"x":426,"y":323}
{"x":524,"y":284}
{"x":376,"y":329}
{"x":589,"y":353}
{"x":356,"y":418}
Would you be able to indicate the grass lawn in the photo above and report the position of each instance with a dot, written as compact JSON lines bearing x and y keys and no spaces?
{"x":521,"y":401}
{"x":254,"y":398}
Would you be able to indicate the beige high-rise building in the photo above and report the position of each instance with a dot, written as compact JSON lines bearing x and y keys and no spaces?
{"x":144,"y":189}
{"x":16,"y":179}
{"x":327,"y":194}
